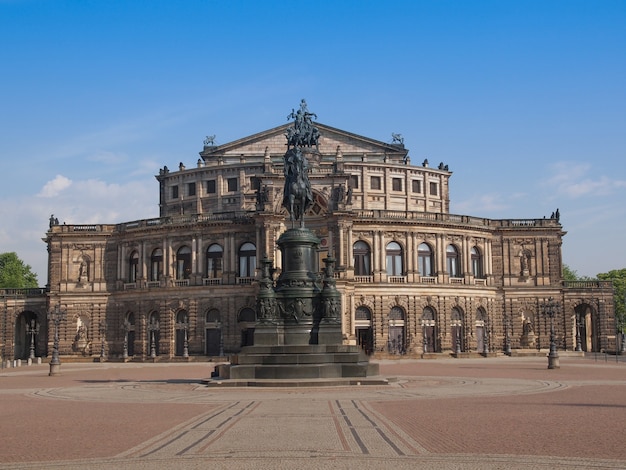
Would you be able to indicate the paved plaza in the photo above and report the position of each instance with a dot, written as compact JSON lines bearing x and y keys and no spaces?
{"x":488,"y":413}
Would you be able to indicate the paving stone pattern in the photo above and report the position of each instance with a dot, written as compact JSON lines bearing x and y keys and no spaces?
{"x":494,"y":413}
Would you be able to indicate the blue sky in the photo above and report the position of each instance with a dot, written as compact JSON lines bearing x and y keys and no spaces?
{"x":524,"y":100}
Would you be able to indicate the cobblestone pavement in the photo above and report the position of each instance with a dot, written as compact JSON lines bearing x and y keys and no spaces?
{"x":493,"y":413}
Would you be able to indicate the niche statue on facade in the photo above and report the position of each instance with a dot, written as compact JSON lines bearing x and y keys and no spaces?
{"x":81,"y":341}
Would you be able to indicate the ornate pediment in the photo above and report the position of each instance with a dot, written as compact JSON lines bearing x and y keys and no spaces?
{"x":332,"y":143}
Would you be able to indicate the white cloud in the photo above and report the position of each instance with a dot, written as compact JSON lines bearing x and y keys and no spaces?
{"x":90,"y":201}
{"x":55,"y":187}
{"x":576,"y":180}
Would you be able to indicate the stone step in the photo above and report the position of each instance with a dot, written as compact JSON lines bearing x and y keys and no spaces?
{"x":301,"y":349}
{"x":288,"y":359}
{"x":329,"y":382}
{"x":299,"y":371}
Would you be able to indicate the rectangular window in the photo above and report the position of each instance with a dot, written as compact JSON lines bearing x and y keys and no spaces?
{"x":255,"y":183}
{"x":416,"y":186}
{"x":433,"y":189}
{"x":210,"y":187}
{"x":174,"y":192}
{"x":375,"y":182}
{"x":354,"y":182}
{"x":231,"y":184}
{"x":191,"y":189}
{"x":396,"y":184}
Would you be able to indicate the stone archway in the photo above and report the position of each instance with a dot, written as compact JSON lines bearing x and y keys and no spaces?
{"x":396,"y":339}
{"x":363,"y":329}
{"x":587,"y":328}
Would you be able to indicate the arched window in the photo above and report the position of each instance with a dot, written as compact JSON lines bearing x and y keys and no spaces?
{"x":247,"y":315}
{"x":133,"y":267}
{"x":456,"y":316}
{"x":396,"y":313}
{"x":362,"y":313}
{"x":183,"y":262}
{"x":247,"y":260}
{"x":452,"y":261}
{"x":212,"y":316}
{"x":425,"y":260}
{"x":394,"y":259}
{"x":156,"y":264}
{"x":428,"y":314}
{"x":361,"y":252}
{"x":214,"y":255}
{"x":481,"y":314}
{"x":477,"y":263}
{"x":182,"y":317}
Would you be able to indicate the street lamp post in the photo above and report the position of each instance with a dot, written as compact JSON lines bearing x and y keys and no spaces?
{"x":579,"y":345}
{"x":56,"y":316}
{"x":184,"y":325}
{"x":507,"y":337}
{"x":550,"y":308}
{"x":103,"y":331}
{"x":153,"y":327}
{"x":486,"y":338}
{"x":219,"y":325}
{"x":32,"y":329}
{"x":126,"y":328}
{"x":186,"y":341}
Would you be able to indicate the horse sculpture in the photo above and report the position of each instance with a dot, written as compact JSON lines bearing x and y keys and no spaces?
{"x":297,"y":197}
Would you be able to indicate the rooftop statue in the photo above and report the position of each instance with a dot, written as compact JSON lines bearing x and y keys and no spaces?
{"x":303,"y":133}
{"x":397,"y":139}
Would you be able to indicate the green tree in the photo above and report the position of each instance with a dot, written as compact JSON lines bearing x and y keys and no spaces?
{"x":15,"y":274}
{"x":618,"y":276}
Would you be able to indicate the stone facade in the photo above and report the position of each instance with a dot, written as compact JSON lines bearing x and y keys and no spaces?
{"x":414,"y":279}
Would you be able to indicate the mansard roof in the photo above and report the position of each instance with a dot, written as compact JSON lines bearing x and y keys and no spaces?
{"x":331,"y":141}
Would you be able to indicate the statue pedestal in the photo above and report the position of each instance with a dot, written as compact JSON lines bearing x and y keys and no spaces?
{"x":319,"y":361}
{"x":281,"y":334}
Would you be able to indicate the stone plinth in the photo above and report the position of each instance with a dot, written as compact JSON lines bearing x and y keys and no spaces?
{"x":301,"y":362}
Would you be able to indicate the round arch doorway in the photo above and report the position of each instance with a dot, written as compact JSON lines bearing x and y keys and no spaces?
{"x":363,"y":329}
